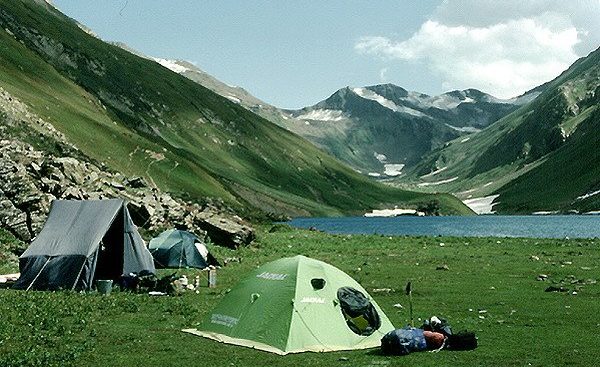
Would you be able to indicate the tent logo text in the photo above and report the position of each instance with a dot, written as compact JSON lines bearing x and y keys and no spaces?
{"x":312,"y":300}
{"x":272,"y":276}
{"x":224,"y":320}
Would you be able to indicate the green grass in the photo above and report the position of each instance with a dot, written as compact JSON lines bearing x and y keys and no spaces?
{"x":9,"y":246}
{"x":522,"y":324}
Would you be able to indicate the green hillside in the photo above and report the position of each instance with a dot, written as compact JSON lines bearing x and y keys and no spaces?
{"x":140,"y":118}
{"x":568,"y":179}
{"x":542,"y":157}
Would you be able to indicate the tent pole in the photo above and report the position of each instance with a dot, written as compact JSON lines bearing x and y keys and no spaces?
{"x":181,"y":255}
{"x":38,"y":274}
{"x":79,"y":274}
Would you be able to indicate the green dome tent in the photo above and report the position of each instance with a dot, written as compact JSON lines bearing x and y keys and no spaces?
{"x":180,"y":249}
{"x":293,"y":305}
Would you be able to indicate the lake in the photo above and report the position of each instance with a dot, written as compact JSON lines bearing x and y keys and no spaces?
{"x":547,"y":226}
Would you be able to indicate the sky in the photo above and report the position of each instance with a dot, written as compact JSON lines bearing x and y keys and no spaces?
{"x":293,"y":54}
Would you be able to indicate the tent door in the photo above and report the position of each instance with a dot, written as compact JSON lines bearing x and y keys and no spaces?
{"x":109,"y":258}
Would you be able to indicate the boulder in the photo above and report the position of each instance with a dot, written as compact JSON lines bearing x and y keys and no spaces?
{"x":226,"y":231}
{"x":14,"y":220}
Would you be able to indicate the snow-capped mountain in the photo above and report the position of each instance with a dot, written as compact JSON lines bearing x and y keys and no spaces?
{"x":375,"y":127}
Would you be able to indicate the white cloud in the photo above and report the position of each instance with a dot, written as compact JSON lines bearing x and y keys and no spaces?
{"x":383,"y":75}
{"x":501,"y":48}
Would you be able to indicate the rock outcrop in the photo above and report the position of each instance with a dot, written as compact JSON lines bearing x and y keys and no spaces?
{"x":30,"y":178}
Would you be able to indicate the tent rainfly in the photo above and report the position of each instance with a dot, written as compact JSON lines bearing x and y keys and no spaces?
{"x":83,"y":241}
{"x":293,"y":305}
{"x":180,"y":249}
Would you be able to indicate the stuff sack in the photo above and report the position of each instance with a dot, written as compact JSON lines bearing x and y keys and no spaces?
{"x":361,"y":317}
{"x":401,"y":342}
{"x":463,"y":340}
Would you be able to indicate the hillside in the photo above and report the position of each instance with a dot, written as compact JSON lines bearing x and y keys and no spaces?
{"x":142,"y":119}
{"x":542,"y":157}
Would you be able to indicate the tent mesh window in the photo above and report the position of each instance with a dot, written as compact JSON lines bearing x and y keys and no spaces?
{"x":361,"y":317}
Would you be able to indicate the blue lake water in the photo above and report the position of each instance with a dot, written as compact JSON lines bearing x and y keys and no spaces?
{"x":547,"y":226}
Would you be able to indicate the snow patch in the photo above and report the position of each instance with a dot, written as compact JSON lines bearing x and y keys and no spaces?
{"x":323,"y":115}
{"x":589,"y":194}
{"x":444,"y":102}
{"x":393,"y":213}
{"x":380,"y":157}
{"x":465,"y":140}
{"x":393,"y":169}
{"x":438,"y":182}
{"x":369,"y":94}
{"x":482,"y":205}
{"x":464,"y":129}
{"x":434,"y":172}
{"x":374,"y":174}
{"x":233,"y":98}
{"x":172,"y":65}
{"x":545,"y":212}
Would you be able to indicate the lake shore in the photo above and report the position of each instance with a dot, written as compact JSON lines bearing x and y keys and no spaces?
{"x":520,"y":226}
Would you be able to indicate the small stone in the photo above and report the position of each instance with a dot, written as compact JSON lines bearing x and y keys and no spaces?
{"x":442,"y":267}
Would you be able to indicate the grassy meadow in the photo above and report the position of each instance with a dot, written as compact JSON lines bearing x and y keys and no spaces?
{"x":489,"y":287}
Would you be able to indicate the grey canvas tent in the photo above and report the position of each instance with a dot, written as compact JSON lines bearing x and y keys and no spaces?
{"x":83,"y":241}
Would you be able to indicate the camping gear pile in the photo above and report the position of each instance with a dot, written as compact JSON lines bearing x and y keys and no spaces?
{"x":434,"y":335}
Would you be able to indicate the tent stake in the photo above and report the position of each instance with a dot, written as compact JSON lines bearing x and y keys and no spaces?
{"x":410,"y":303}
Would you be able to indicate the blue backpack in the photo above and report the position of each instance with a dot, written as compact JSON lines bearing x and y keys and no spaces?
{"x":403,"y":341}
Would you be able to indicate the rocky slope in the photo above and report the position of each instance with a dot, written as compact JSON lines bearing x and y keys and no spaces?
{"x":38,"y":165}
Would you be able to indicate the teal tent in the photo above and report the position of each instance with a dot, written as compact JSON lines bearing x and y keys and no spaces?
{"x":293,"y":305}
{"x":180,"y":249}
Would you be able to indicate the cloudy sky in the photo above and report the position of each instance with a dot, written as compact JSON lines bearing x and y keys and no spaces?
{"x":295,"y":53}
